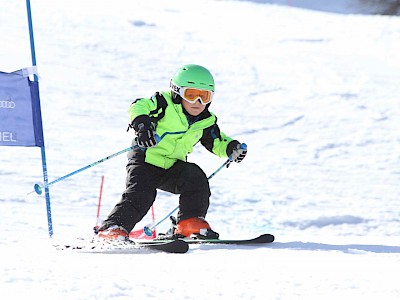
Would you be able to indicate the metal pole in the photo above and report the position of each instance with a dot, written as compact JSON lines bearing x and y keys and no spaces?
{"x":38,"y":188}
{"x":43,"y":152}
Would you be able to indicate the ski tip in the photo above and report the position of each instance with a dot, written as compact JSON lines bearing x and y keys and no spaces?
{"x":180,"y":247}
{"x":169,"y":246}
{"x":266,"y":238}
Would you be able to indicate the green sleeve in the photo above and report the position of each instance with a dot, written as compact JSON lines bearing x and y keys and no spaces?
{"x":220,"y":145}
{"x":142,"y":106}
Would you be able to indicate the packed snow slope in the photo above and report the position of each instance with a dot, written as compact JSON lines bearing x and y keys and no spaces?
{"x":314,"y":95}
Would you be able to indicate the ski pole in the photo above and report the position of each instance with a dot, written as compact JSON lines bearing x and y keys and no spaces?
{"x":149,"y":230}
{"x":38,"y":188}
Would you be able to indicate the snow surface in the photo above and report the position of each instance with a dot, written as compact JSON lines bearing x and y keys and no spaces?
{"x":315,"y":95}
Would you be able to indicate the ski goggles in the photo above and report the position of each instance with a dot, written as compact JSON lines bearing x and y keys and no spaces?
{"x":192,"y":95}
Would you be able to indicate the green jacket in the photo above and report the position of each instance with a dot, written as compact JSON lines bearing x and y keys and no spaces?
{"x":178,"y":133}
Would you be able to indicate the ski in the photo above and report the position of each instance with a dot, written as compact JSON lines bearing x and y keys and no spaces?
{"x":262,"y":239}
{"x":168,"y":246}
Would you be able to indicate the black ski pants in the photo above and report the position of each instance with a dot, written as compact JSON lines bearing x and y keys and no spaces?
{"x":142,"y":181}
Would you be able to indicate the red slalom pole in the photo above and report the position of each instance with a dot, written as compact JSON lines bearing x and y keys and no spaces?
{"x":99,"y":203}
{"x":153,"y":219}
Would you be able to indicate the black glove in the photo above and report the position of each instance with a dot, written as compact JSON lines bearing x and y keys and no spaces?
{"x":146,"y":135}
{"x":236,"y":151}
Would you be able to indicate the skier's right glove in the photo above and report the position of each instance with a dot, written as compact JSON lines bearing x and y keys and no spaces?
{"x":146,"y":135}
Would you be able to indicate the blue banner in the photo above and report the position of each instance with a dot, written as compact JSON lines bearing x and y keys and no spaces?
{"x":20,"y":114}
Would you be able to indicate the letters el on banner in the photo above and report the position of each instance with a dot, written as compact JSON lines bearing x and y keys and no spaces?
{"x":20,"y":115}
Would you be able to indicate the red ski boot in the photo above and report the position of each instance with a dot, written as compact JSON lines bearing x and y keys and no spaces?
{"x":195,"y":227}
{"x":114,"y":233}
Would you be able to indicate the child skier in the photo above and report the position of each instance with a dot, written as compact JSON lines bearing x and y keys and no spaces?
{"x":167,"y":127}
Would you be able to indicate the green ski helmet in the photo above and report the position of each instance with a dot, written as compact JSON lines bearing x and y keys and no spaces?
{"x":191,"y":75}
{"x":194,"y":76}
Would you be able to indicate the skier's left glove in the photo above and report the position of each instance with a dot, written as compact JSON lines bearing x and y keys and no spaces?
{"x":236,"y":151}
